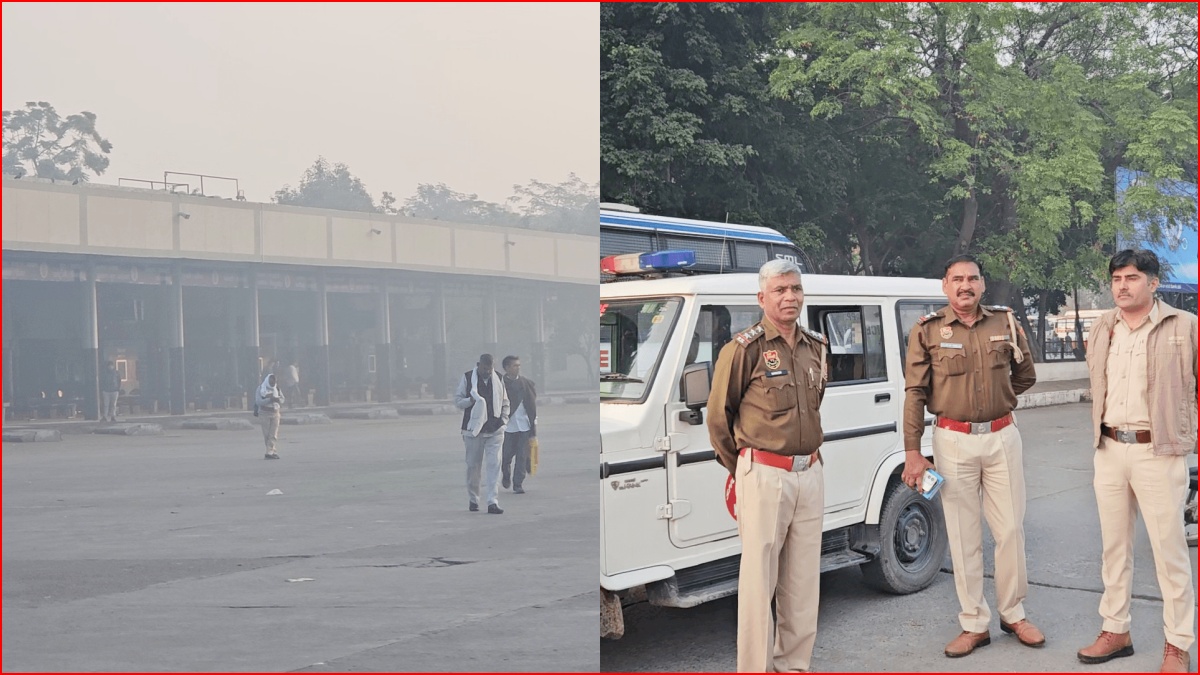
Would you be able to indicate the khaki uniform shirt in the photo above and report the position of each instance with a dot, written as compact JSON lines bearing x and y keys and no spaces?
{"x":964,"y":374}
{"x":1126,"y":401}
{"x":767,"y":395}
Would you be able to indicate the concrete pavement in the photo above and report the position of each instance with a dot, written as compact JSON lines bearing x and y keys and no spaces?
{"x":168,"y":553}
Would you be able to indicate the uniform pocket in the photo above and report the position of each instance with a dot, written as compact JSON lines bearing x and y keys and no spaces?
{"x":950,"y":361}
{"x":999,"y":354}
{"x":781,"y":396}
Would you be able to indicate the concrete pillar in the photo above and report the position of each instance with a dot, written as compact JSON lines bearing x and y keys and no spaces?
{"x":91,"y":349}
{"x":251,"y":375}
{"x":538,"y":357}
{"x":441,"y":372}
{"x":383,"y":348}
{"x":175,"y":361}
{"x":491,"y":325}
{"x":322,"y":378}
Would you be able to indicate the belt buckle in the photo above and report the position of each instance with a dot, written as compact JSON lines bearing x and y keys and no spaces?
{"x":801,"y":462}
{"x":981,"y":427}
{"x":1129,"y":437}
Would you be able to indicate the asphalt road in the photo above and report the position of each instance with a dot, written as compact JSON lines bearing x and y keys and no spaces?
{"x":167,"y":554}
{"x":864,"y":631}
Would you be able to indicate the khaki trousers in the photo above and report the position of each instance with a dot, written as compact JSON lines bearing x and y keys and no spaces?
{"x":780,"y":517}
{"x":987,"y":466}
{"x":270,"y":427}
{"x":1129,"y":477}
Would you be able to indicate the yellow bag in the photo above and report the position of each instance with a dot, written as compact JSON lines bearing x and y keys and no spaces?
{"x":533,"y":456}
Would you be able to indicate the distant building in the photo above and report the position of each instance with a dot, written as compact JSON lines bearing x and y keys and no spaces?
{"x":195,"y":297}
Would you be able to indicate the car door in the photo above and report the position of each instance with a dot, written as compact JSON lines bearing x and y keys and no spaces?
{"x":860,"y":414}
{"x":696,"y":481}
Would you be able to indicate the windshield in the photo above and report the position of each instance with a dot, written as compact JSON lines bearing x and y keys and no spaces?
{"x":633,"y":334}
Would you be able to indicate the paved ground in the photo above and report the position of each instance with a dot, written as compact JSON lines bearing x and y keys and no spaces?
{"x":166,"y":552}
{"x":863,"y":631}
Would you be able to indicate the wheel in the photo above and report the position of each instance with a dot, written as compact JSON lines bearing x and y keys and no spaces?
{"x":912,"y":538}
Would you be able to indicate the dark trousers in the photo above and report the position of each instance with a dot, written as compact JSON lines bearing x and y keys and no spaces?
{"x":292,"y":394}
{"x":516,"y":446}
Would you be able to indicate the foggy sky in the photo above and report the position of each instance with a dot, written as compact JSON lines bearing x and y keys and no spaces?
{"x":476,"y":96}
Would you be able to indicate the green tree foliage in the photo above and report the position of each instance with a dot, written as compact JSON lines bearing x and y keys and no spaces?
{"x":571,"y":206}
{"x":439,"y":202}
{"x":1025,"y":111}
{"x":690,"y":128}
{"x":329,"y":187}
{"x":885,"y":138}
{"x":40,"y":142}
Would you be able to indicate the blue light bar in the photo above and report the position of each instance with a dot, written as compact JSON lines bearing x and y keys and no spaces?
{"x":667,"y":260}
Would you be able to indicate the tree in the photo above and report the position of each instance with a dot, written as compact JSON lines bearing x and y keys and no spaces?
{"x":439,"y":202}
{"x":37,"y":140}
{"x":571,"y":206}
{"x":691,"y":127}
{"x":1024,"y":113}
{"x":329,"y":187}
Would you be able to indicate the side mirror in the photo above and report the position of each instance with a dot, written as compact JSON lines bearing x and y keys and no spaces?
{"x":695,"y":384}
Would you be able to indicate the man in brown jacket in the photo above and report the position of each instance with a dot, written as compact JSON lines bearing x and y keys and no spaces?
{"x":764,"y":422}
{"x":1142,"y":363}
{"x":966,"y":363}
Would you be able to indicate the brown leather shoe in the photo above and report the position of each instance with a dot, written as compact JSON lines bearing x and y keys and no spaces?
{"x":1107,"y":647}
{"x":1027,"y":633}
{"x":1175,"y":660}
{"x":966,"y":643}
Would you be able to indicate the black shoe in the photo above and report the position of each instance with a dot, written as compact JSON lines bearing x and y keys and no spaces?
{"x":271,"y":455}
{"x":505,"y":482}
{"x":473,"y":507}
{"x":495,"y":508}
{"x":518,"y":490}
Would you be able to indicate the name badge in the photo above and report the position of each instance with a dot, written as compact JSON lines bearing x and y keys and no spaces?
{"x":776,"y":373}
{"x":998,"y":338}
{"x":951,"y":345}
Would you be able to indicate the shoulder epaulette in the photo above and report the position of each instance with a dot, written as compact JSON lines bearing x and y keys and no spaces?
{"x":819,"y":337}
{"x":927,"y":317}
{"x":999,"y":308}
{"x":749,"y":335}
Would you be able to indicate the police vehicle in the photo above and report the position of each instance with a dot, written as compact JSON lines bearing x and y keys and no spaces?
{"x":668,"y":529}
{"x":719,"y":247}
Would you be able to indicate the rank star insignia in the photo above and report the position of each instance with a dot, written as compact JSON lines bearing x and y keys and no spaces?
{"x":947,"y":332}
{"x":771,"y":356}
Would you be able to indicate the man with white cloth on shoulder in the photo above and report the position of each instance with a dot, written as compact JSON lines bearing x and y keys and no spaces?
{"x":268,"y":400}
{"x":482,"y":398}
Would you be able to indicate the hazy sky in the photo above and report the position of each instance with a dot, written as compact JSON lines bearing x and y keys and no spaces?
{"x":477,"y":96}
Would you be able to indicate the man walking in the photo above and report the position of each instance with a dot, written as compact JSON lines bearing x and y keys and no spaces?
{"x":764,"y":422}
{"x":269,"y":400}
{"x":966,"y":363}
{"x":484,"y":402}
{"x":110,"y":390}
{"x":1142,"y":363}
{"x":291,"y":384}
{"x":522,"y":424}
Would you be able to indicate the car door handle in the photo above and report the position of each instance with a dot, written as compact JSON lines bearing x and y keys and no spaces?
{"x":880,"y":398}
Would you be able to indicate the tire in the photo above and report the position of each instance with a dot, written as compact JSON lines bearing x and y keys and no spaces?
{"x":912,"y":542}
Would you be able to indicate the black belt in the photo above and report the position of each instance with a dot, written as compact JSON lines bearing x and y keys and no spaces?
{"x":1139,"y":436}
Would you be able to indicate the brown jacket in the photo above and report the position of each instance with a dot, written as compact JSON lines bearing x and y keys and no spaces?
{"x":1171,"y":359}
{"x":964,"y":374}
{"x":766,"y":395}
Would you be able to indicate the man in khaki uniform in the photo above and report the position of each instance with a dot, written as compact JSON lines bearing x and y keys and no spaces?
{"x":966,"y":363}
{"x":765,"y":425}
{"x":1142,"y":363}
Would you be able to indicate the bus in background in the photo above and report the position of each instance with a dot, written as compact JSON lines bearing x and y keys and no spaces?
{"x":719,"y":247}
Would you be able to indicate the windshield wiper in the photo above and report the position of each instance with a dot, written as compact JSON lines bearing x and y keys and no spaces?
{"x":619,"y":377}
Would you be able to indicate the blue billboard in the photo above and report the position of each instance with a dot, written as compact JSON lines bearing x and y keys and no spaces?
{"x":1177,"y":250}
